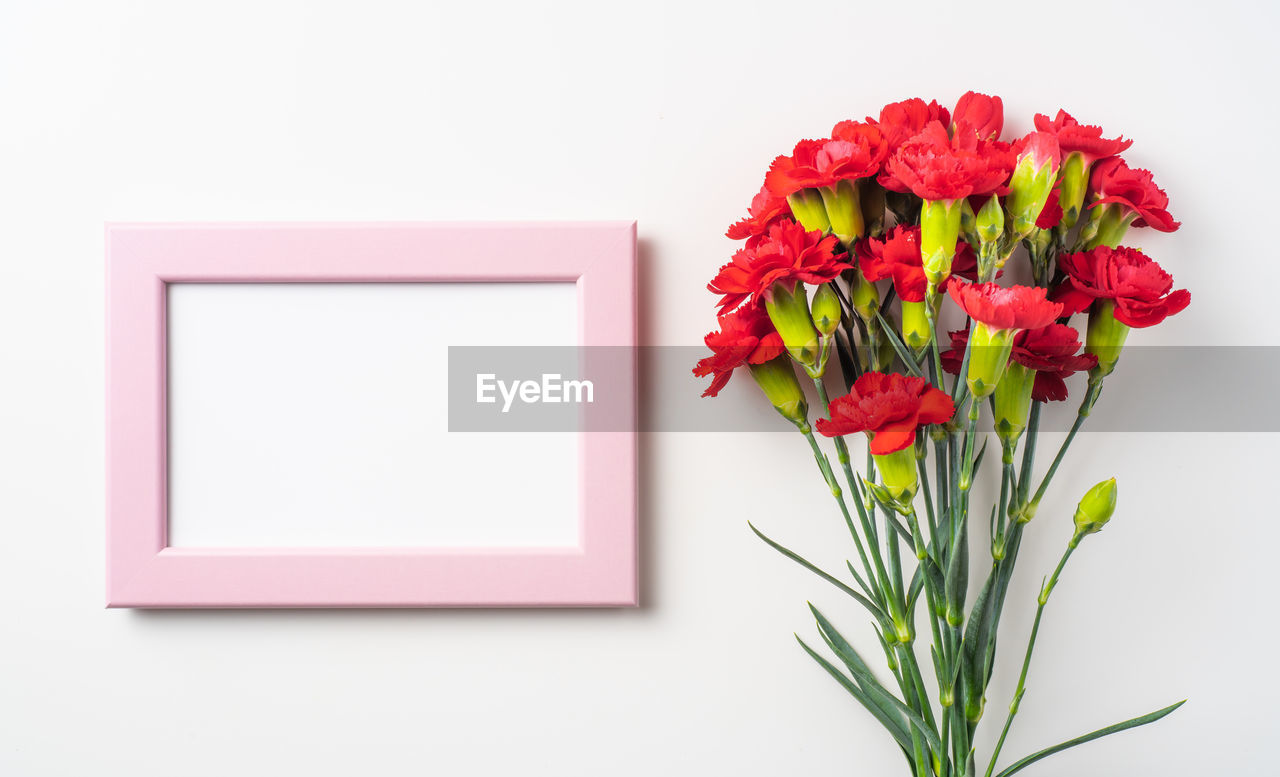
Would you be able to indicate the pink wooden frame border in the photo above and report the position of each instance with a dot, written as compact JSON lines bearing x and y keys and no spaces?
{"x":142,"y":571}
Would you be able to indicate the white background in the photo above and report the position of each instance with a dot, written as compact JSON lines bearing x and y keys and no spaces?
{"x":667,"y":113}
{"x":317,"y":414}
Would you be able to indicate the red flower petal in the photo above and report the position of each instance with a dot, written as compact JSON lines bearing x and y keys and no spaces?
{"x":889,"y":407}
{"x":1140,"y":288}
{"x":1014,"y":307}
{"x":1135,"y":190}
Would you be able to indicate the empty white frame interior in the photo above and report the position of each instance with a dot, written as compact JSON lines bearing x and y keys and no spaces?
{"x":316,"y":415}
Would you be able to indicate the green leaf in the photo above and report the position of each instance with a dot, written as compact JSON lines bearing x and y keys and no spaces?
{"x":868,"y":682}
{"x":899,"y":348}
{"x":884,"y":710}
{"x":856,"y":692}
{"x":977,"y":460}
{"x":1102,"y":732}
{"x":864,"y":601}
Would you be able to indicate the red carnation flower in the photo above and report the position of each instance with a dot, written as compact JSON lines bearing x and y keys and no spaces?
{"x":1014,"y":307}
{"x":786,"y":252}
{"x":855,"y":150}
{"x":889,"y":408}
{"x":1052,"y":351}
{"x":764,"y":211}
{"x":904,"y":120}
{"x":1139,"y":286}
{"x":746,"y":336}
{"x":979,"y":114}
{"x":1051,"y":215}
{"x":936,"y":167}
{"x":1087,"y":139}
{"x":1114,"y":181}
{"x":898,"y":257}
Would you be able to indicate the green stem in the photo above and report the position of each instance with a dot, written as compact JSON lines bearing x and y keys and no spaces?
{"x":842,"y":453}
{"x":824,"y":464}
{"x":1086,"y":406}
{"x":1045,"y":591}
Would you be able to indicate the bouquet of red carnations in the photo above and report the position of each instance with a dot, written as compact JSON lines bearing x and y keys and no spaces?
{"x":852,"y":247}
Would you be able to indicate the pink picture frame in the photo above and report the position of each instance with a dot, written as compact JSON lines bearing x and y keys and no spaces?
{"x":144,"y":571}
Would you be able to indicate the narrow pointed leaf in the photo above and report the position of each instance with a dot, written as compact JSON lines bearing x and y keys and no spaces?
{"x":905,"y":355}
{"x":856,"y":692}
{"x":1102,"y":732}
{"x":869,"y":683}
{"x":864,"y":601}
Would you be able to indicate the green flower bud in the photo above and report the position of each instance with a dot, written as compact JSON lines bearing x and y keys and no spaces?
{"x":1104,"y":337}
{"x":1029,"y":190}
{"x":806,"y":206}
{"x":1074,"y":177}
{"x":989,"y":351}
{"x":1095,"y":509}
{"x":898,"y":474}
{"x":1012,"y":401}
{"x":788,"y":309}
{"x":939,"y":231}
{"x":915,"y":324}
{"x":777,"y":378}
{"x":864,"y":297}
{"x":826,"y":309}
{"x":843,"y":211}
{"x":989,"y":221}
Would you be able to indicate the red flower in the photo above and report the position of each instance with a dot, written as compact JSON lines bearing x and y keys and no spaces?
{"x":1051,"y":215}
{"x":854,"y":150}
{"x":786,"y":252}
{"x":764,"y":211}
{"x":1014,"y":307}
{"x":979,"y":114}
{"x":937,"y":167}
{"x":1139,"y":286}
{"x":902,"y":121}
{"x":746,"y":336}
{"x":1052,"y":351}
{"x":1114,"y":181}
{"x":1087,"y":139}
{"x":889,"y":408}
{"x":898,"y":257}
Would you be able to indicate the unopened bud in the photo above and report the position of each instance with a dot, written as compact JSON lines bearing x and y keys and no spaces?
{"x":1032,"y":181}
{"x":939,"y":231}
{"x":864,"y":297}
{"x":1096,"y":508}
{"x":915,"y":324}
{"x":989,"y":221}
{"x":826,"y":309}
